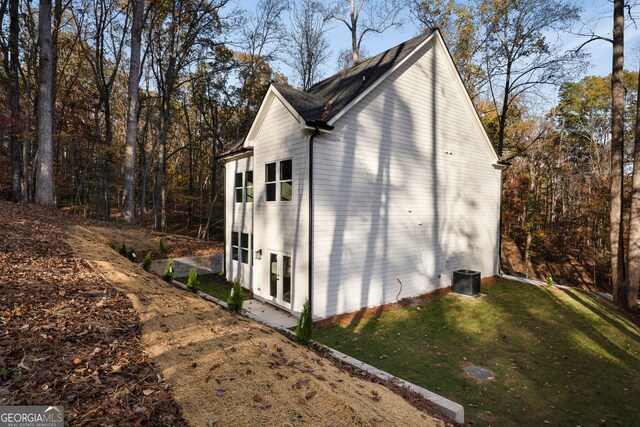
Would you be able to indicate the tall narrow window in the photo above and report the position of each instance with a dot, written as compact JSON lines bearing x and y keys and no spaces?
{"x":286,"y":180}
{"x":234,"y":246}
{"x":248,"y":186}
{"x":244,"y":245}
{"x":270,"y":181}
{"x":238,"y":188}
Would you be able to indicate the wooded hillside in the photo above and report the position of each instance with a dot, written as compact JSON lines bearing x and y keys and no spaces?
{"x":117,"y":110}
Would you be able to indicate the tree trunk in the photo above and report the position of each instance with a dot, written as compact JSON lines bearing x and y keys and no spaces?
{"x":128,"y":197}
{"x":160,"y":196}
{"x":17,"y":187}
{"x":355,"y":52}
{"x":44,"y":175}
{"x":57,"y":21}
{"x":633,"y":260}
{"x":617,"y":148}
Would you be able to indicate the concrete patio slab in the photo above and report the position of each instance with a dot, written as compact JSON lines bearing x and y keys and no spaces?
{"x":270,"y":314}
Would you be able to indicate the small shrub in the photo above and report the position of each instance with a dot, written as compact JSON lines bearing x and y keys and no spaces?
{"x":128,"y":253}
{"x":236,"y":298}
{"x":549,"y":280}
{"x":161,"y":247}
{"x":123,"y":250}
{"x":146,"y":263}
{"x":112,"y":246}
{"x":193,"y":283}
{"x":168,"y":273}
{"x":305,"y":324}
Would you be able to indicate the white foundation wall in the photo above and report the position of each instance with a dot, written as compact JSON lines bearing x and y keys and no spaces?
{"x":404,"y":191}
{"x":282,"y":226}
{"x":238,"y":218}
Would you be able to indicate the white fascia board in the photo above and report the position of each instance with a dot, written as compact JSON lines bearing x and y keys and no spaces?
{"x":265,"y":106}
{"x":380,"y":80}
{"x":465,"y":94}
{"x":237,"y":156}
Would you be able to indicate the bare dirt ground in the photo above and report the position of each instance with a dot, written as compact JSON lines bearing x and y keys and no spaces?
{"x":218,"y":368}
{"x":68,"y":337}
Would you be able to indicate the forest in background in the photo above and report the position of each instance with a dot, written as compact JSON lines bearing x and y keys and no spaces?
{"x":117,"y":111}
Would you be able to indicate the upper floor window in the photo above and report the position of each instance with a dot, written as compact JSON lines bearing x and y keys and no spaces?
{"x":238,"y":186}
{"x":286,"y":179}
{"x":248,"y":186}
{"x":279,"y":186}
{"x":270,"y":181}
{"x":244,"y":187}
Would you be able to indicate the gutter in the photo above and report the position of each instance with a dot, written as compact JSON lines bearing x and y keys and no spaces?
{"x":317,"y":127}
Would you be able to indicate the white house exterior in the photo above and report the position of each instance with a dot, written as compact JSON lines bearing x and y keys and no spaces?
{"x":389,"y":164}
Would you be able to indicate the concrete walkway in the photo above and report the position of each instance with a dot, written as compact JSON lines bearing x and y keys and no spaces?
{"x":269,"y":314}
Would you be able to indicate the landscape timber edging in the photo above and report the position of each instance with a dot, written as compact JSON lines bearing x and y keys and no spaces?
{"x":450,"y":409}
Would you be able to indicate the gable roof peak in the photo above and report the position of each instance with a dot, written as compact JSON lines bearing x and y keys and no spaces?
{"x":325,"y":99}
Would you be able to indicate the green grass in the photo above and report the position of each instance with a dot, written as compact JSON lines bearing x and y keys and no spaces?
{"x":559,"y":356}
{"x":214,"y":285}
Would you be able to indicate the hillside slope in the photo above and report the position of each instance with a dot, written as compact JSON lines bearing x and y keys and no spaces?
{"x":216,"y":367}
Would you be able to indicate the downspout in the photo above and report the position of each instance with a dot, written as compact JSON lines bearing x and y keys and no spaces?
{"x":501,"y":166}
{"x":315,"y":133}
{"x":224,"y":216}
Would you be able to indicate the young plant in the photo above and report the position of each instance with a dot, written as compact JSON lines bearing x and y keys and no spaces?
{"x":123,"y":250}
{"x":193,"y":283}
{"x":168,"y":273}
{"x":131,"y":254}
{"x":305,"y":324}
{"x":146,"y":263}
{"x":161,"y":247}
{"x":236,"y":298}
{"x":549,"y":280}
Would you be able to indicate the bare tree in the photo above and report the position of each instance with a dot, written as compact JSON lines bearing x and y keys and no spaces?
{"x":460,"y":23}
{"x":17,"y":187}
{"x":362,"y":17}
{"x":617,"y":157}
{"x":633,"y":254}
{"x":44,"y":174}
{"x":186,"y":33}
{"x":308,"y":45}
{"x":99,"y":24}
{"x":128,"y":198}
{"x":520,"y":55}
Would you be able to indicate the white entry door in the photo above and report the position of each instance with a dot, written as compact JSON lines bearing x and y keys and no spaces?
{"x":280,"y":279}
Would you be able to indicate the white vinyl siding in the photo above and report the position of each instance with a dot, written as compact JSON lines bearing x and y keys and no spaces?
{"x":238,"y":220}
{"x":404,"y":191}
{"x":281,"y":226}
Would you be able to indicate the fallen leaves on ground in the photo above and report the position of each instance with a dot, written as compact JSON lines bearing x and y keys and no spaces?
{"x":68,"y":337}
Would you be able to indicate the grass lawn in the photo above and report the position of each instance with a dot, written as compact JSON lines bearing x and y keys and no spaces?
{"x":212,"y":284}
{"x":559,"y":357}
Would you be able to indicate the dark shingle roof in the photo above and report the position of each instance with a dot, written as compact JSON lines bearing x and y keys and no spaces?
{"x":326,"y":98}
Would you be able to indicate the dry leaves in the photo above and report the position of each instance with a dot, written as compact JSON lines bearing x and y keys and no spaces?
{"x":68,"y":337}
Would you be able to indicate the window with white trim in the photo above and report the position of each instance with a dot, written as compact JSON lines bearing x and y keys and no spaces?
{"x":244,"y":248}
{"x":234,"y":245}
{"x":240,"y":249}
{"x":286,"y":180}
{"x":248,"y":186}
{"x":238,"y":187}
{"x":278,"y":179}
{"x":270,"y":181}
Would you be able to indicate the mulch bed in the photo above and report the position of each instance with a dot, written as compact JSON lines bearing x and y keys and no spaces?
{"x":67,"y":337}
